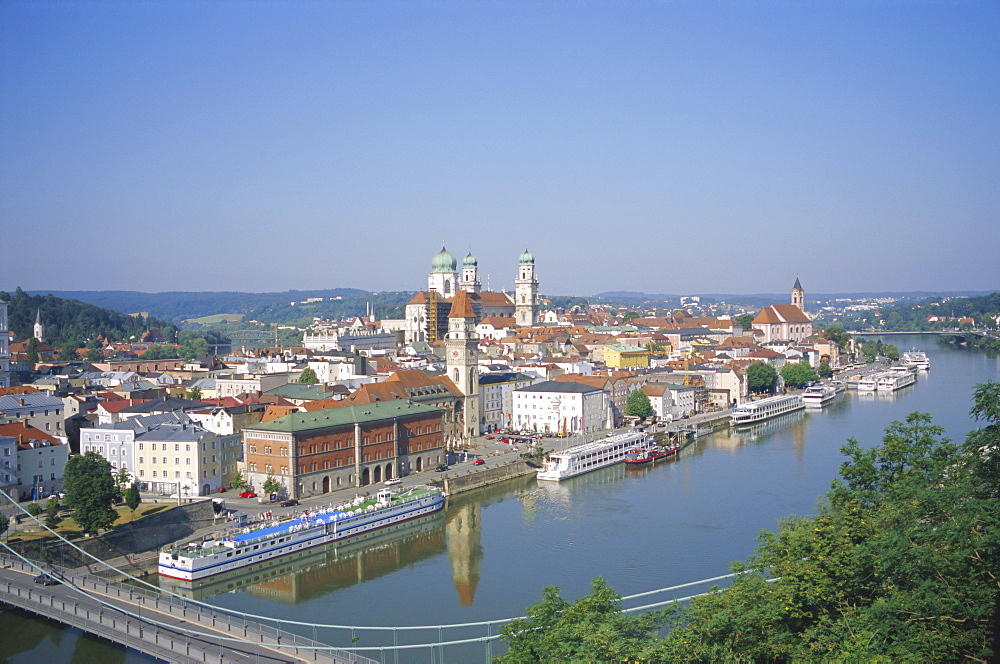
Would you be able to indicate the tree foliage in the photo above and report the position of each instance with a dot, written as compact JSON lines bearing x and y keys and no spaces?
{"x":745,"y":321}
{"x":271,"y":484}
{"x":91,"y":491}
{"x":837,"y":335}
{"x":798,"y":374}
{"x":638,"y":405}
{"x":761,"y":377}
{"x":591,"y":629}
{"x":132,"y":497}
{"x":308,"y":376}
{"x":825,"y":370}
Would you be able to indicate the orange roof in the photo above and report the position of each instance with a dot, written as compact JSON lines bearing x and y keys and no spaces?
{"x":24,"y":433}
{"x":461,"y":306}
{"x":781,"y":313}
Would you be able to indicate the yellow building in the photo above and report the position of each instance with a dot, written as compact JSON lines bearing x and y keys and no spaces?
{"x":624,"y":356}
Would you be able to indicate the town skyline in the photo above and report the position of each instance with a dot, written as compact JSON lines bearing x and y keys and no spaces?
{"x":664,"y":148}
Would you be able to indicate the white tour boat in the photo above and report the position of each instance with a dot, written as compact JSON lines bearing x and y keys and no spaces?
{"x":817,"y":396}
{"x":890,"y":381}
{"x":247,"y":546}
{"x":757,"y":411}
{"x":586,"y":457}
{"x":917,"y":357}
{"x":869,"y":383}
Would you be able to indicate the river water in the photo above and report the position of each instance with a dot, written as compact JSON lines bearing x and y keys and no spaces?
{"x":488,"y":556}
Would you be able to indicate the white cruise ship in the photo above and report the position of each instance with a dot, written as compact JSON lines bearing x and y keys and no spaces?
{"x":757,"y":411}
{"x":586,"y":457}
{"x":890,"y":381}
{"x":817,"y":396}
{"x":917,"y":357}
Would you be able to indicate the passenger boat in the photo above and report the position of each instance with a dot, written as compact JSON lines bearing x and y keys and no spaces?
{"x":838,"y":386}
{"x":590,"y":456}
{"x":816,"y":396}
{"x":869,"y":383}
{"x":246,"y":546}
{"x":765,"y":409}
{"x":890,"y":381}
{"x":638,"y":456}
{"x":917,"y":357}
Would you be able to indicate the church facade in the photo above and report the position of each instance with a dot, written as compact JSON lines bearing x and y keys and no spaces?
{"x":428,"y":311}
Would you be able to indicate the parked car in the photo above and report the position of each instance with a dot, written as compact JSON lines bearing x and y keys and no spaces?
{"x":291,"y":502}
{"x":442,"y":468}
{"x":478,"y":462}
{"x":248,"y":494}
{"x":488,"y":437}
{"x":46,"y":580}
{"x":392,"y":480}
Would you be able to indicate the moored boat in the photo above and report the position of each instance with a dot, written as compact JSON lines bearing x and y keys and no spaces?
{"x":590,"y":456}
{"x":757,"y":411}
{"x":917,"y":357}
{"x":890,"y":381}
{"x":817,"y":396}
{"x":246,"y":546}
{"x":649,"y":454}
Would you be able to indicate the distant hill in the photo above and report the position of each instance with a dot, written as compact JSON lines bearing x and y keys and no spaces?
{"x":176,"y":306}
{"x":782,"y":297}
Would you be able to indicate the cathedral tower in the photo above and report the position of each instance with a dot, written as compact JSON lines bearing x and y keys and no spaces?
{"x":526,"y":291}
{"x":463,"y":362}
{"x":470,"y":275}
{"x":799,"y":295}
{"x":443,"y":278}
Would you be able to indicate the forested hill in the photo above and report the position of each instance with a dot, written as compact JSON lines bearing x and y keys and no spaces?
{"x":69,"y":322}
{"x":178,"y":306}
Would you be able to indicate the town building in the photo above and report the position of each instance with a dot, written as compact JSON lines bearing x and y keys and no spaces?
{"x":319,"y":451}
{"x":560,"y":407}
{"x":4,"y":348}
{"x":41,"y":460}
{"x":38,"y":409}
{"x":496,"y":399}
{"x":785,"y":322}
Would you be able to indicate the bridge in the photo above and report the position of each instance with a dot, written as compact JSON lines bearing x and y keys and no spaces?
{"x":165,"y":627}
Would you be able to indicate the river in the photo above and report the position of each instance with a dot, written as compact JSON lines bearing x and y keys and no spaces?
{"x":491,"y":553}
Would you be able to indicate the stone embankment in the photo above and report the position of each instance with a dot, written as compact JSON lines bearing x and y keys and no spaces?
{"x":477,"y":478}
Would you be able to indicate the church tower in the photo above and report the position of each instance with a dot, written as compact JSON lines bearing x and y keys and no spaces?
{"x":526,"y":291}
{"x":470,"y":275}
{"x":799,"y":296}
{"x":39,"y":332}
{"x":443,"y":278}
{"x":462,"y":361}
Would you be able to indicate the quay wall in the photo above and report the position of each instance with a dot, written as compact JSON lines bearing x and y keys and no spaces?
{"x":478,"y":478}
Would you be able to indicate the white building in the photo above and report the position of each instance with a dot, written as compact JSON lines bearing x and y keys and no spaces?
{"x":42,"y":411}
{"x":556,"y":407}
{"x":41,"y":460}
{"x":8,"y":465}
{"x":4,"y":348}
{"x":496,"y":400}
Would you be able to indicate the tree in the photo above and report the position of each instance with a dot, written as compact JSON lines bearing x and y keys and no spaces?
{"x":308,"y":377}
{"x":837,"y":335}
{"x":239,"y":482}
{"x":68,"y":351}
{"x":4,"y":522}
{"x":52,"y":517}
{"x":132,"y":498}
{"x":271,"y":485}
{"x":655,"y":348}
{"x":591,"y":629}
{"x":34,"y":509}
{"x":194,"y":393}
{"x":91,"y":491}
{"x":798,"y":374}
{"x":161,"y":352}
{"x":122,"y":478}
{"x":825,"y":370}
{"x":32,"y":352}
{"x":745,"y":321}
{"x":94,"y":355}
{"x":638,"y":405}
{"x":761,"y":377}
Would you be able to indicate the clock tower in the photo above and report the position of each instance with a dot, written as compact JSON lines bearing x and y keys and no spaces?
{"x":463,"y":362}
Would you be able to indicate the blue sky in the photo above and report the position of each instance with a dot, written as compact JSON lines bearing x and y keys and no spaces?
{"x":665,"y":147}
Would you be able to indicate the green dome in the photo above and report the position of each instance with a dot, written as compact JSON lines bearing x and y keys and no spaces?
{"x":443,"y":261}
{"x":526,"y":258}
{"x":470,"y":261}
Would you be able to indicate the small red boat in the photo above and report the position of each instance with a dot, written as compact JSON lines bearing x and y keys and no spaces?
{"x":650,"y":454}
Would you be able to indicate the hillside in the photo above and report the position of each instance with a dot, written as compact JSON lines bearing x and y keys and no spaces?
{"x":69,"y":321}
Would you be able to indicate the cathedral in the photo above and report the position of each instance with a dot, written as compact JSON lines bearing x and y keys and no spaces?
{"x":427,"y":313}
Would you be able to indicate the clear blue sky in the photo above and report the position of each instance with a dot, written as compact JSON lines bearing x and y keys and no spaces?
{"x":675,"y":146}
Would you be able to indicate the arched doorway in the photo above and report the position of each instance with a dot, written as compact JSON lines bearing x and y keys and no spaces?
{"x":206,"y":490}
{"x":326,"y":484}
{"x":420,"y":464}
{"x":365,"y":477}
{"x":388,"y":471}
{"x":377,"y":476}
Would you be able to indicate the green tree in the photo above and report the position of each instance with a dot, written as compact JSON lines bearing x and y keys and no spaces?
{"x":655,"y":348}
{"x":591,"y":629}
{"x":798,"y":374}
{"x":825,"y":370}
{"x":68,"y":351}
{"x":91,"y":491}
{"x":52,"y":517}
{"x":239,"y":482}
{"x":161,"y":352}
{"x":122,"y":479}
{"x":34,"y":509}
{"x":761,"y":377}
{"x":194,"y":393}
{"x":837,"y":335}
{"x":745,"y":321}
{"x":308,"y":377}
{"x":271,"y":485}
{"x":32,"y":352}
{"x":638,"y":405}
{"x":95,"y":355}
{"x":132,"y":498}
{"x":4,"y":522}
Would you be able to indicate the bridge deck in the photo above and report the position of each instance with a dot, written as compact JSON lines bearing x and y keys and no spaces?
{"x":168,"y":640}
